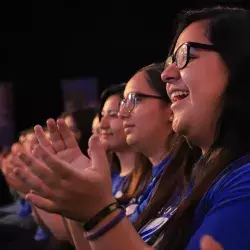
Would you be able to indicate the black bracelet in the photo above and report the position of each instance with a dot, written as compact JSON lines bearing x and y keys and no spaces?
{"x":107,"y":227}
{"x":90,"y":224}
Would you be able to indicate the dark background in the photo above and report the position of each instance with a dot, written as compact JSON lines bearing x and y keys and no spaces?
{"x":43,"y":43}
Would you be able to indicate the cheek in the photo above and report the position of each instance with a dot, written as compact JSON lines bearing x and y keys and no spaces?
{"x":206,"y":84}
{"x":142,"y":114}
{"x":117,"y":127}
{"x":148,"y":120}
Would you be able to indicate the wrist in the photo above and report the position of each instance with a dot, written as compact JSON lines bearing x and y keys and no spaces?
{"x":100,"y":215}
{"x":98,"y":207}
{"x":105,"y":221}
{"x":106,"y":225}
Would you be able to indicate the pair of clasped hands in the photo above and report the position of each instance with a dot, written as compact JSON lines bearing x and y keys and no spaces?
{"x":63,"y":180}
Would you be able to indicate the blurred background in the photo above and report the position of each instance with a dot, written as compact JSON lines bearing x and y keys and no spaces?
{"x":60,"y":55}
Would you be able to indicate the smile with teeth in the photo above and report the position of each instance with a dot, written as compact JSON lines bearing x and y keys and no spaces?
{"x":179,"y":95}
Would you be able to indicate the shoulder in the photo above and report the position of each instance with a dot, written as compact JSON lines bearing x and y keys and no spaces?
{"x":231,"y":186}
{"x":224,"y":211}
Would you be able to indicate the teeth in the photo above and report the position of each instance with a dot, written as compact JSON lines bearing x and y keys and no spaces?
{"x":179,"y":93}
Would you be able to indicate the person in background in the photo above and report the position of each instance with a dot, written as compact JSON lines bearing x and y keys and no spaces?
{"x":96,"y":125}
{"x":80,"y":124}
{"x":111,"y":133}
{"x":18,"y":213}
{"x":5,"y":193}
{"x":17,"y":221}
{"x":147,"y":120}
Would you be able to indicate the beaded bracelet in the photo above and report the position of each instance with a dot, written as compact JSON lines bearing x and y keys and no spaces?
{"x":90,"y":224}
{"x":107,"y":227}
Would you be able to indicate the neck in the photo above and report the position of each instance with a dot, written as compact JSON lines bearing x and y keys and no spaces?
{"x":127,"y":160}
{"x":203,"y":139}
{"x":204,"y":147}
{"x":157,"y":156}
{"x":158,"y":149}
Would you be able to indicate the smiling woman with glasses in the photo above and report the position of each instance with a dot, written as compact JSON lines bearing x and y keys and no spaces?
{"x":147,"y":121}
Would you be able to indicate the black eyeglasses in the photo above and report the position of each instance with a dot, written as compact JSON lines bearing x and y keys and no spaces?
{"x":182,"y":55}
{"x":132,"y":98}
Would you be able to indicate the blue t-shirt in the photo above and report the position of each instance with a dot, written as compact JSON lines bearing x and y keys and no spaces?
{"x":224,"y":211}
{"x":163,"y":215}
{"x":25,"y":208}
{"x":137,"y":206}
{"x":24,"y":212}
{"x":117,"y":182}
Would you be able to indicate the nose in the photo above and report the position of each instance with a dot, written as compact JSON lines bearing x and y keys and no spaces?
{"x":123,"y":112}
{"x":170,"y":74}
{"x":104,"y":123}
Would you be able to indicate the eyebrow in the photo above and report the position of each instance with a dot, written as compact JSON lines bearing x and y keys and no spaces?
{"x":137,"y":93}
{"x":110,"y":110}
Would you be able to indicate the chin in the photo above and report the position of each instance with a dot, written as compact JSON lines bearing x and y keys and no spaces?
{"x":175,"y":125}
{"x":130,"y":140}
{"x":179,"y":127}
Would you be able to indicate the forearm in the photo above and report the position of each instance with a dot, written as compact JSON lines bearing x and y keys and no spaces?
{"x":122,"y":237}
{"x":52,"y":222}
{"x":77,"y":235}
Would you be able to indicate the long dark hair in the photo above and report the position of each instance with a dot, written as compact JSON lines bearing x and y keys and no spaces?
{"x":228,"y":29}
{"x":174,"y":175}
